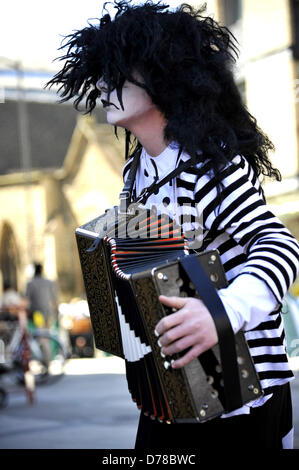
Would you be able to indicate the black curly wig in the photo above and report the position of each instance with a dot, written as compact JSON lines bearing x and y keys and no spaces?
{"x":186,"y":62}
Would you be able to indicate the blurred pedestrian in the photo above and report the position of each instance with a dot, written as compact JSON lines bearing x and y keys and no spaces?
{"x":42,"y":297}
{"x":9,"y":303}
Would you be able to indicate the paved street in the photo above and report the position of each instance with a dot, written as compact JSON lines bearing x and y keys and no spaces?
{"x":89,"y":408}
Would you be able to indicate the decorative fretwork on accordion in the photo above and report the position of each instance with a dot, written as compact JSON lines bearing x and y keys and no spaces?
{"x":124,"y":274}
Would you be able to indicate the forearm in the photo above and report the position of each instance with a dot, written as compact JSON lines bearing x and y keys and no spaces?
{"x":247,"y":301}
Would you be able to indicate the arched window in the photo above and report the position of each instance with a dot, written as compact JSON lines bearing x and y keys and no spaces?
{"x":9,"y":258}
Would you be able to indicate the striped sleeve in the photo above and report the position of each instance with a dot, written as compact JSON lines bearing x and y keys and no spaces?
{"x":271,"y":252}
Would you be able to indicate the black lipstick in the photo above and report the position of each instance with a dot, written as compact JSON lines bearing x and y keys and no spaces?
{"x":107,"y":103}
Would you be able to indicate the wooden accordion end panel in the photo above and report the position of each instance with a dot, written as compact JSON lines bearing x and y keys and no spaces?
{"x":100,"y":297}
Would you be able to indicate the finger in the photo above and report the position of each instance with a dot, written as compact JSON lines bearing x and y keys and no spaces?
{"x":168,"y":322}
{"x":183,"y":342}
{"x":172,"y":334}
{"x":175,"y":302}
{"x":194,"y":352}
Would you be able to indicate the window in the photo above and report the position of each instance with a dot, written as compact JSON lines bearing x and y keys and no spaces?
{"x":232,"y":11}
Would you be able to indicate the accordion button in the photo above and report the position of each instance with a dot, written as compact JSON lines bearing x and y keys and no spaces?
{"x":166,"y":364}
{"x":214,"y":277}
{"x":253,"y":389}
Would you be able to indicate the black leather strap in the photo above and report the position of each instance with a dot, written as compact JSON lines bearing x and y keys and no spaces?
{"x":226,"y":337}
{"x":126,"y":194}
{"x":125,"y":197}
{"x":156,"y":185}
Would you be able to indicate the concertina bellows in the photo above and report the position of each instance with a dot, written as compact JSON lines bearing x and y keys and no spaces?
{"x":124,"y":274}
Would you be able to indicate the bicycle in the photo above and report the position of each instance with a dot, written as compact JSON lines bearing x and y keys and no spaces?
{"x":28,"y":358}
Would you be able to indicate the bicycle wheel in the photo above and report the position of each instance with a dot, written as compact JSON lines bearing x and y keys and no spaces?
{"x":47,"y":358}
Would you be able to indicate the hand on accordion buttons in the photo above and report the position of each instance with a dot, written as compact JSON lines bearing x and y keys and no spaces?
{"x":191,"y":326}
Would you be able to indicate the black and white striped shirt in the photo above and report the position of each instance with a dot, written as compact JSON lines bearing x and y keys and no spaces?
{"x":254,"y":246}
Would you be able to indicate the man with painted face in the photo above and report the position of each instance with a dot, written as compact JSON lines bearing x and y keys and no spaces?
{"x":166,"y":77}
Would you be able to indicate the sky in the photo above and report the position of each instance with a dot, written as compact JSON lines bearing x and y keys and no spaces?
{"x":31,"y":30}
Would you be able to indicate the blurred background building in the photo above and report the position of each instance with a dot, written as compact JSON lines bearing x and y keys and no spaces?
{"x":59,"y":168}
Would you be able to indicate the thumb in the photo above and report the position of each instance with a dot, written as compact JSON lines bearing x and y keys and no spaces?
{"x":174,"y":302}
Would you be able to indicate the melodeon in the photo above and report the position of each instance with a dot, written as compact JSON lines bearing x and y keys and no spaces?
{"x":124,"y":274}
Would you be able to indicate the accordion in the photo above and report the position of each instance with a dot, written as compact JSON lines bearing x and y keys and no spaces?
{"x":127,"y":261}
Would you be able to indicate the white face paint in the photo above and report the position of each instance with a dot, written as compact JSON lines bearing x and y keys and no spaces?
{"x":136,"y":102}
